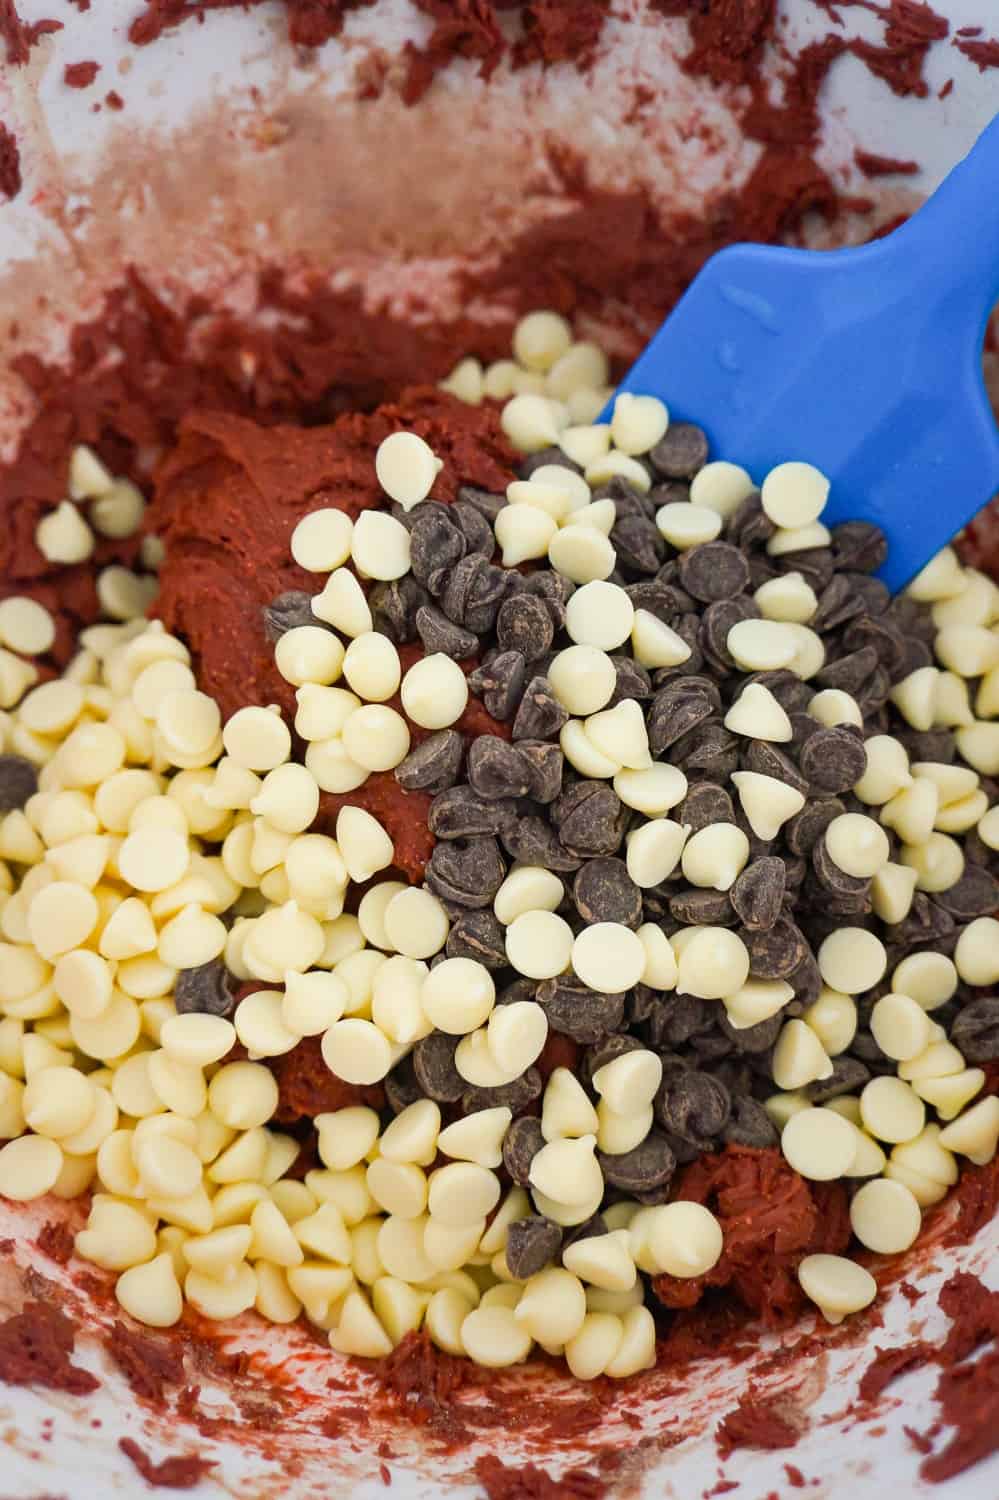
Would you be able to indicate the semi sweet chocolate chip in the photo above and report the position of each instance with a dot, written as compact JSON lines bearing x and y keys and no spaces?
{"x":578,"y":1012}
{"x":757,"y":896}
{"x":709,"y":749}
{"x":976,"y":894}
{"x":540,"y":715}
{"x":433,"y":766}
{"x":815,"y":564}
{"x":488,"y":504}
{"x":713,"y":571}
{"x":545,"y":765}
{"x":531,"y":1244}
{"x":649,"y":1165}
{"x":850,"y":674}
{"x":525,"y":625}
{"x":534,"y":841}
{"x":477,"y":531}
{"x":927,"y":923}
{"x":471,"y":590}
{"x":603,"y":891}
{"x":838,"y":604}
{"x":433,"y":1062}
{"x":694,"y":1107}
{"x":394,"y":606}
{"x":752,"y":1040}
{"x":497,"y":769}
{"x":521,"y":1145}
{"x":402,"y":1087}
{"x":638,"y":544}
{"x":658,"y":599}
{"x":467,"y":872}
{"x":803,"y":830}
{"x":859,"y":546}
{"x":676,"y":711}
{"x":695,"y":907}
{"x":677,"y":1018}
{"x":680,"y":452}
{"x":460,"y":813}
{"x":590,"y":818}
{"x":18,"y":782}
{"x":834,"y":760}
{"x":633,"y":681}
{"x":751,"y":527}
{"x":500,"y":683}
{"x":975,"y":1032}
{"x":436,"y":545}
{"x":287,"y":612}
{"x":848,"y":1077}
{"x":439,"y":634}
{"x":704,"y":804}
{"x":545,"y":457}
{"x":515,"y":1096}
{"x":750,"y":1125}
{"x":478,"y":935}
{"x":209,"y":989}
{"x":791,"y":693}
{"x":883,"y":636}
{"x":715,"y":624}
{"x":767,"y":760}
{"x":777,"y":952}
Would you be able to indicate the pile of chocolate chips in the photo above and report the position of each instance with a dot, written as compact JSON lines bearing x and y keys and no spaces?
{"x":499,"y":801}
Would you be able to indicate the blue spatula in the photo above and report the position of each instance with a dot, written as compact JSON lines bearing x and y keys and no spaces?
{"x":865,"y":362}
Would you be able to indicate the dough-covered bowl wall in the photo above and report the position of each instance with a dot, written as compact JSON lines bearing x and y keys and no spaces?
{"x":297,"y":211}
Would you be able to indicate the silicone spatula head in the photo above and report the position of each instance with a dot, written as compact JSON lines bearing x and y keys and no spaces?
{"x":864,"y":362}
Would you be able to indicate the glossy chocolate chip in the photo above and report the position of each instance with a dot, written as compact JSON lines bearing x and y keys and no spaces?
{"x":478,"y":935}
{"x":540,"y":715}
{"x":777,"y":952}
{"x":649,"y":1165}
{"x":680,"y":452}
{"x":466,"y":872}
{"x":578,"y":1012}
{"x":833,"y":760}
{"x":18,"y":782}
{"x":975,"y":1031}
{"x":433,"y":1062}
{"x":433,"y":766}
{"x":693,"y":1106}
{"x":757,"y":896}
{"x":441,"y":635}
{"x":521,"y":1145}
{"x":750,"y":1125}
{"x":515,"y":1096}
{"x":531,"y":1244}
{"x":288,"y":611}
{"x":603,"y":891}
{"x":208,"y":989}
{"x":713,"y":571}
{"x":524,"y":625}
{"x":590,"y":818}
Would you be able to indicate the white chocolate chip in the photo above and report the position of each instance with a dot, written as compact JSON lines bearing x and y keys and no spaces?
{"x":900,"y":1026}
{"x":891,"y":1110}
{"x":379,"y":546}
{"x":608,"y":957}
{"x":832,"y":706}
{"x":524,"y":532}
{"x":836,"y":1285}
{"x":26,"y":626}
{"x":539,"y":944}
{"x":601,"y":615}
{"x":684,"y":525}
{"x":682,"y":1239}
{"x":757,"y":714}
{"x":767,"y":802}
{"x":653,"y":791}
{"x":566,"y":1108}
{"x":638,"y":422}
{"x":857,"y":845}
{"x":833,"y":1018}
{"x":567,"y":1171}
{"x":852,"y":960}
{"x":712,"y":963}
{"x":582,"y":679}
{"x":63,"y":537}
{"x":714,"y":856}
{"x":654,"y":850}
{"x":976,"y":956}
{"x":799,"y":1058}
{"x":761,"y":645}
{"x":581,"y":553}
{"x":788,"y":597}
{"x":458,"y":995}
{"x":819,"y":1144}
{"x":794,"y":494}
{"x":406,"y":468}
{"x":885,"y":1217}
{"x":435,"y":692}
{"x":529,"y":423}
{"x":721,"y":486}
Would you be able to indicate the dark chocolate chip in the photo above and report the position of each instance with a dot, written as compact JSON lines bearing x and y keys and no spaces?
{"x":694,"y":1107}
{"x":752,"y":1040}
{"x":628,"y":499}
{"x":590,"y":818}
{"x":859,"y":546}
{"x":976,"y":894}
{"x":435,"y":544}
{"x":472,"y":590}
{"x":638,"y":544}
{"x":467,"y":873}
{"x":713,"y":571}
{"x":815,"y":564}
{"x":433,"y":766}
{"x":402,"y":1087}
{"x":767,"y":760}
{"x":460,"y":813}
{"x":534,"y":841}
{"x":696,"y":907}
{"x":758,"y":894}
{"x":803,"y":830}
{"x":18,"y":782}
{"x":848,"y":1076}
{"x":488,"y":504}
{"x":545,"y":764}
{"x":927,"y":922}
{"x":540,"y":715}
{"x":515,"y":1096}
{"x":674,"y":712}
{"x":851,"y":674}
{"x":680,"y":452}
{"x":838,"y":603}
{"x":603,"y":891}
{"x":750,"y":527}
{"x":394,"y":607}
{"x":531,"y":1244}
{"x":477,"y":531}
{"x":524,"y":625}
{"x":703,"y":805}
{"x":543,"y":458}
{"x":831,"y":878}
{"x":500,"y":682}
{"x":578,"y":1012}
{"x":708,"y":749}
{"x":633,"y":681}
{"x":883,"y":636}
{"x":497,"y":769}
{"x":834,"y":760}
{"x":478,"y":935}
{"x":975,"y":1031}
{"x":715,"y":624}
{"x":677,"y":1018}
{"x":607,"y":1051}
{"x":209,"y":989}
{"x":287,"y":612}
{"x":439,"y":634}
{"x":521,"y":1145}
{"x":433,"y":1061}
{"x":590,"y":1229}
{"x":777,"y":952}
{"x":791,"y":693}
{"x":647,"y":1166}
{"x":750,"y":1125}
{"x":658,"y":599}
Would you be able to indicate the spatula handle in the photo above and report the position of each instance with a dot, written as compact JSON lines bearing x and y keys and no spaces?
{"x":954,"y":237}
